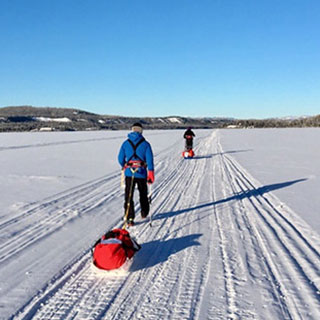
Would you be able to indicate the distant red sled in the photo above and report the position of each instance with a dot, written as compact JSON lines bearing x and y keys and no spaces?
{"x":188,"y":154}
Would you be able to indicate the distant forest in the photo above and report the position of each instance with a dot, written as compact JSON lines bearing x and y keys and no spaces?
{"x":28,"y":118}
{"x":279,"y":123}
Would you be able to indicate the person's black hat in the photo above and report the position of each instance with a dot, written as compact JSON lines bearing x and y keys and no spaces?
{"x":137,"y":127}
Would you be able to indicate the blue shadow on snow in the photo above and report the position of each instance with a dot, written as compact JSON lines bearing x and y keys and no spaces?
{"x":158,"y":251}
{"x":239,"y":196}
{"x":208,"y":156}
{"x":219,"y":153}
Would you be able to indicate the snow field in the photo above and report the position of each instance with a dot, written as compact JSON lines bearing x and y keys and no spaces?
{"x":221,"y":246}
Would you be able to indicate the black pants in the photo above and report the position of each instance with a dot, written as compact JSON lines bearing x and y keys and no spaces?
{"x":143,"y":192}
{"x":189,"y":144}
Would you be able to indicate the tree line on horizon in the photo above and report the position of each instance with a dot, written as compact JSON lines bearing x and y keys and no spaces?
{"x":312,"y":121}
{"x":26,"y":118}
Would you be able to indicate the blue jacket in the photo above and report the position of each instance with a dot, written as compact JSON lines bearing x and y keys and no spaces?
{"x":144,"y":152}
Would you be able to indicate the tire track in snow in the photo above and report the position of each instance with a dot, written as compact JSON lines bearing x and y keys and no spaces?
{"x":64,"y":142}
{"x":288,"y":257}
{"x":163,"y":281}
{"x":173,"y":278}
{"x":56,"y":286}
{"x":163,"y":195}
{"x":173,"y":299}
{"x":160,"y":280}
{"x":63,"y":198}
{"x":231,"y":268}
{"x":240,"y":230}
{"x":52,"y":214}
{"x":57,"y":143}
{"x":170,"y":284}
{"x":167,"y":280}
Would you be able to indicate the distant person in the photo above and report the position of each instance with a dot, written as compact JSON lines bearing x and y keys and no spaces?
{"x":136,"y":159}
{"x":188,"y":135}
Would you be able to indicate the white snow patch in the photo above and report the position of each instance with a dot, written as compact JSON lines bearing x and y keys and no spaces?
{"x":44,"y":119}
{"x":173,"y":119}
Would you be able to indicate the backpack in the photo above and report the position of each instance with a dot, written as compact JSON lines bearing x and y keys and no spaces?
{"x":113,"y":249}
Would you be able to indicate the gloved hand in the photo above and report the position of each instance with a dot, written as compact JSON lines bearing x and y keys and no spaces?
{"x":150,"y":178}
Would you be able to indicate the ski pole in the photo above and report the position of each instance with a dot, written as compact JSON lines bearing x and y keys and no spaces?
{"x":150,"y":194}
{"x":150,"y":200}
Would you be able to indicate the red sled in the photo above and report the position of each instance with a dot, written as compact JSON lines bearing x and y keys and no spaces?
{"x":114,"y":249}
{"x":187,"y":154}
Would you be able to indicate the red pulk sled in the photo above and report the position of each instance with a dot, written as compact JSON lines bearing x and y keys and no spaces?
{"x":113,"y":249}
{"x":188,"y":154}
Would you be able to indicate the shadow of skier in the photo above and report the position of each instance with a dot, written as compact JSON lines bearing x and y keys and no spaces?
{"x":158,"y":251}
{"x":208,"y":156}
{"x":239,"y":196}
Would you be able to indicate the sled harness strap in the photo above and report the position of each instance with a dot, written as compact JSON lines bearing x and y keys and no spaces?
{"x":135,"y":163}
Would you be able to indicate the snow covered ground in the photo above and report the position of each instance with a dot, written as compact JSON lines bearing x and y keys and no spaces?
{"x":282,"y":155}
{"x":235,"y":231}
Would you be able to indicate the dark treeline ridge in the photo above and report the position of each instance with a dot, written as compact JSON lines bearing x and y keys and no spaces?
{"x":28,"y":118}
{"x":313,"y":121}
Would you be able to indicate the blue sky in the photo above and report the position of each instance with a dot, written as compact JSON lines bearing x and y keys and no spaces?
{"x":242,"y":59}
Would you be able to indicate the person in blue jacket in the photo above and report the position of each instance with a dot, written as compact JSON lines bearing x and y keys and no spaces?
{"x":136,"y":159}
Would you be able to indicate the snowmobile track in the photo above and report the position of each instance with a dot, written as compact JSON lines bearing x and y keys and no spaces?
{"x":53,"y":214}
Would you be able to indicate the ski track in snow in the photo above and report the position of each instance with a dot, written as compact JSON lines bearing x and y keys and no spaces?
{"x":220,"y":247}
{"x":51,"y":214}
{"x":57,"y":143}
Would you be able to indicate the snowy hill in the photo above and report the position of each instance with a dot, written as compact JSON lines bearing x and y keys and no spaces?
{"x":26,"y":118}
{"x":229,"y":237}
